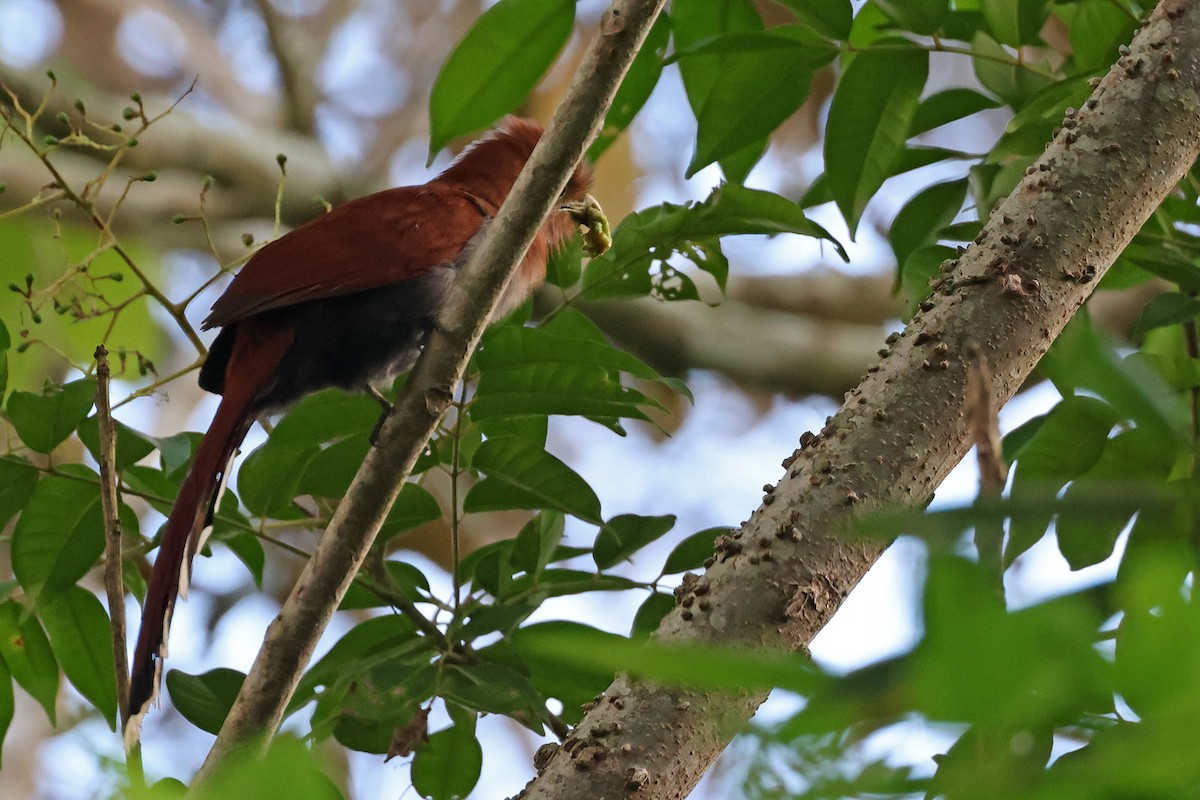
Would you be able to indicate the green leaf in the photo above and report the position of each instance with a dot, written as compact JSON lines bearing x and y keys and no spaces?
{"x":738,"y":165}
{"x":573,"y":687}
{"x":693,"y":21}
{"x":326,"y":416}
{"x":1016,"y":439}
{"x":162,"y":789}
{"x":1170,"y":308}
{"x":944,"y":530}
{"x":1033,"y":126}
{"x":1161,"y":261}
{"x":964,"y":231}
{"x":1159,"y":555}
{"x":288,"y":769}
{"x":536,"y":542}
{"x":176,"y":452}
{"x":387,"y":635}
{"x":1066,"y":445}
{"x":1016,"y":22}
{"x":448,"y":765}
{"x":135,"y":584}
{"x":1001,"y":74}
{"x":910,"y":158}
{"x":1157,"y":654}
{"x":764,"y":78}
{"x":492,"y":688}
{"x":927,"y":212}
{"x":871,"y":113}
{"x":81,"y":639}
{"x":60,"y":534}
{"x":132,"y":446}
{"x":693,"y":551}
{"x":1130,"y":457}
{"x":330,"y":471}
{"x":490,"y":568}
{"x":269,"y":477}
{"x":543,"y":389}
{"x":634,"y":91}
{"x":204,"y":700}
{"x":565,"y":264}
{"x":624,"y":535}
{"x":915,"y":157}
{"x":495,"y":65}
{"x":637,"y":264}
{"x":919,"y":16}
{"x":565,"y":367}
{"x":1165,"y":350}
{"x":414,"y":507}
{"x":5,"y":343}
{"x":561,"y":582}
{"x":650,"y":613}
{"x":500,"y":619}
{"x":978,"y":663}
{"x":8,"y":704}
{"x":17,"y":480}
{"x":243,"y":544}
{"x":946,"y":106}
{"x":921,"y":265}
{"x":558,"y":343}
{"x":520,"y":475}
{"x":1081,"y":359}
{"x":828,"y":17}
{"x":45,"y":421}
{"x":366,"y":708}
{"x":1098,"y":28}
{"x":868,"y":26}
{"x":407,"y":578}
{"x":26,"y":652}
{"x":700,"y":666}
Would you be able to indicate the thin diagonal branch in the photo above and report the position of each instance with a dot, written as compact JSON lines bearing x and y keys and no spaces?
{"x":293,"y":635}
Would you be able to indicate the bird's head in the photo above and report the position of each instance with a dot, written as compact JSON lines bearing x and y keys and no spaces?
{"x":490,"y":166}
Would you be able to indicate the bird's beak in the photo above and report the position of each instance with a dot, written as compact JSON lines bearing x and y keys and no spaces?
{"x":587,"y":214}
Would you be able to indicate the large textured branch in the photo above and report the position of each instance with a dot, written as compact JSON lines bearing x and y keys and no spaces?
{"x":780,"y":578}
{"x":294,"y":633}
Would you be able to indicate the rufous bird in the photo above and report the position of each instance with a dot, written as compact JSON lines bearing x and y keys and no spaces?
{"x":344,"y":300}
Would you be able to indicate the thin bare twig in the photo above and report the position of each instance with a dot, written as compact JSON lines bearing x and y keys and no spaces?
{"x":382,"y":584}
{"x":979,"y":415}
{"x":114,"y":582}
{"x":82,"y":199}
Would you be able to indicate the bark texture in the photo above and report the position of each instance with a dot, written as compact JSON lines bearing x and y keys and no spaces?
{"x":779,"y":579}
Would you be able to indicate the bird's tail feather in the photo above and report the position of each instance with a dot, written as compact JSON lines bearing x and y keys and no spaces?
{"x":191,"y":515}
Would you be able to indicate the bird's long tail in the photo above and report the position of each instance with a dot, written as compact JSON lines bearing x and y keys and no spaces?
{"x":191,"y":516}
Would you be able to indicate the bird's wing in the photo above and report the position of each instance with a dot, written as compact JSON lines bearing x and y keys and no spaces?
{"x":373,"y":241}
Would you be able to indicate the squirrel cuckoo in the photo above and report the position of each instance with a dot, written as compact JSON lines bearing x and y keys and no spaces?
{"x":344,"y":300}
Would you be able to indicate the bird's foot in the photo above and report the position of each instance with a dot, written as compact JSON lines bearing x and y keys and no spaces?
{"x":588,"y":214}
{"x":387,"y":410}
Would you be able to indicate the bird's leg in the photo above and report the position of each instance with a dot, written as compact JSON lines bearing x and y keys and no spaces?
{"x":387,"y":409}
